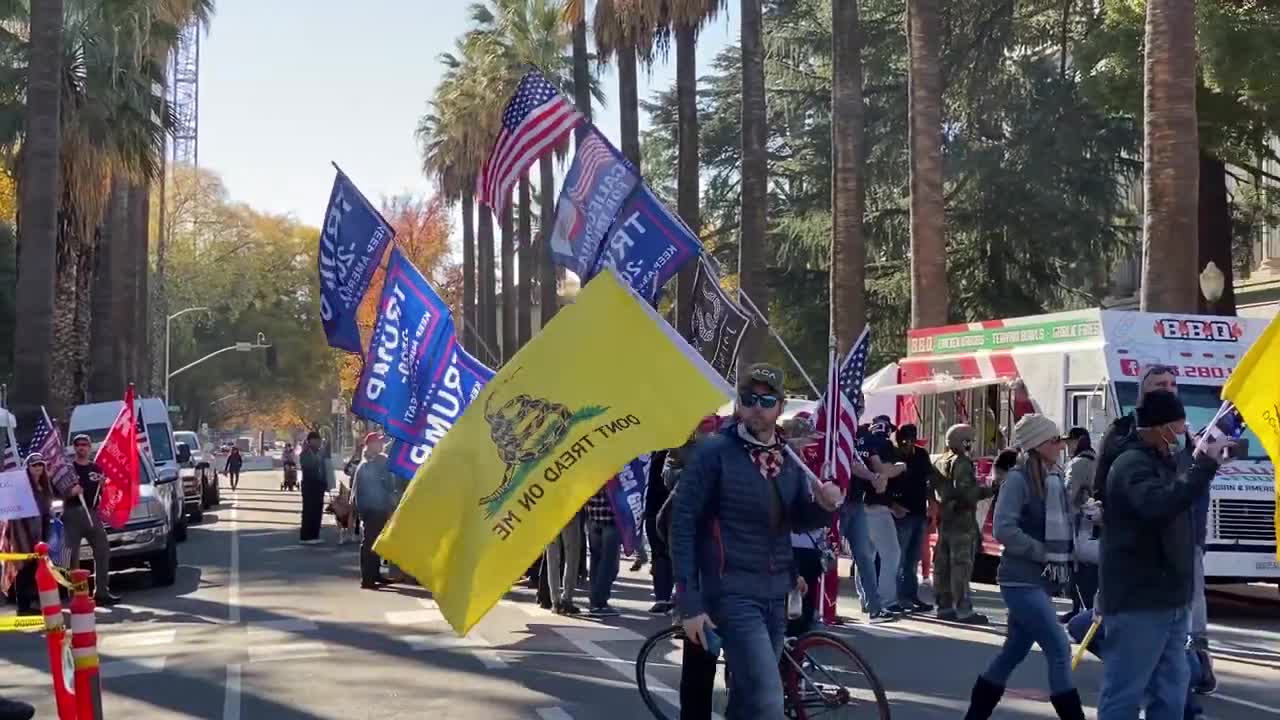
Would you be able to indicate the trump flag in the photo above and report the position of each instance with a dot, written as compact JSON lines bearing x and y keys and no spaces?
{"x":597,"y":185}
{"x":352,"y":242}
{"x":647,"y":244}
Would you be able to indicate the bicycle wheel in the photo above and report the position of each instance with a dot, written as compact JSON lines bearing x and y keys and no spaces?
{"x":824,"y":677}
{"x":659,"y":669}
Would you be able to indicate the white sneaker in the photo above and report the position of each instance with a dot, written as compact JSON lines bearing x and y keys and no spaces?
{"x":317,"y":541}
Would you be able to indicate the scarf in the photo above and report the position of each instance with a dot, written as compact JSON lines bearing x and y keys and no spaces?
{"x":1057,"y":528}
{"x":768,"y":460}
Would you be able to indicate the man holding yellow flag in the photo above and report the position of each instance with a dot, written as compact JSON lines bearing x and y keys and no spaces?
{"x":1253,"y":389}
{"x":605,"y":382}
{"x":737,"y":503}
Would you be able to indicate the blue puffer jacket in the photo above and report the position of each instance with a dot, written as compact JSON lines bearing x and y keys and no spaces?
{"x":721,"y":540}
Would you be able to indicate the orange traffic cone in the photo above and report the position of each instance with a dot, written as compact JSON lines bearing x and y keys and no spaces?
{"x":55,"y":636}
{"x":84,"y":649}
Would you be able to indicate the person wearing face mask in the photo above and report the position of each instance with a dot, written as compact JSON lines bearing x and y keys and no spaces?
{"x":910,"y":503}
{"x":957,"y":493}
{"x":1148,"y":561}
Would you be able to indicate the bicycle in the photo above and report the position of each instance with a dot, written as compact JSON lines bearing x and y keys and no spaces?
{"x":812,"y":685}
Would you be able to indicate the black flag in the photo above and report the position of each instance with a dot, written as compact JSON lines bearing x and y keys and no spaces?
{"x":718,"y":322}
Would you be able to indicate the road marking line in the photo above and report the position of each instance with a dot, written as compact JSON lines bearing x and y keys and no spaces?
{"x":132,"y":666}
{"x":1274,"y":711}
{"x":479,"y":647}
{"x":231,"y":701}
{"x":414,"y":617}
{"x":528,"y":608}
{"x":287,"y":651}
{"x":291,"y":625}
{"x":109,"y":643}
{"x":233,"y":583}
{"x":553,"y":713}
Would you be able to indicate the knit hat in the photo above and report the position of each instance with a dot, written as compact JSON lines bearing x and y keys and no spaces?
{"x":1160,"y":407}
{"x":1034,"y":430}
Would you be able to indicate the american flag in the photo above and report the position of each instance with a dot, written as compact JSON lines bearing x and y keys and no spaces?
{"x":845,"y":391}
{"x":593,"y":155}
{"x":144,"y":444}
{"x":536,"y":119}
{"x":46,"y":441}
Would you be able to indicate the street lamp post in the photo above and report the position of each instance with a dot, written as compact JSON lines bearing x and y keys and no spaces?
{"x":258,"y":344}
{"x":169,"y":321}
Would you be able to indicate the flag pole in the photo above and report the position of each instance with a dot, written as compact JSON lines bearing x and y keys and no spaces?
{"x":750,"y":304}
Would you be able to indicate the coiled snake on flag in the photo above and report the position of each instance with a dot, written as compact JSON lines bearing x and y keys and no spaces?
{"x":524,"y":429}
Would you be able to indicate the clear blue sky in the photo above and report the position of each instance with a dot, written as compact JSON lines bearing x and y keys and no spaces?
{"x":288,"y":85}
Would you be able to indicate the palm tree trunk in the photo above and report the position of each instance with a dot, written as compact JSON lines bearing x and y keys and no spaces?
{"x":84,"y":315}
{"x":581,"y":75}
{"x":140,"y":230}
{"x":107,"y":378}
{"x":469,"y":315}
{"x":755,"y":177}
{"x":524,"y":289}
{"x":1171,"y":163}
{"x":508,"y":283}
{"x":848,"y":251}
{"x":488,"y":291}
{"x":687,"y":200}
{"x":550,"y":300}
{"x":629,"y":104}
{"x":62,"y":355}
{"x":929,"y":290}
{"x":38,"y":217}
{"x":161,"y":292}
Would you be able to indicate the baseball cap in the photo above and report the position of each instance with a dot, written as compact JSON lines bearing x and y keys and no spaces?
{"x":81,"y":438}
{"x":372,"y":437}
{"x":765,"y":374}
{"x":35,"y":458}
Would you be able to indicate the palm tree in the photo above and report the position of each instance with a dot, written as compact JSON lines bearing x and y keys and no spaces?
{"x":625,"y":30}
{"x":533,"y":33}
{"x":1170,"y":159}
{"x":929,"y":292}
{"x":848,"y":251}
{"x":752,"y":248}
{"x":508,"y":282}
{"x":524,"y":287}
{"x":687,"y":18}
{"x":39,"y":192}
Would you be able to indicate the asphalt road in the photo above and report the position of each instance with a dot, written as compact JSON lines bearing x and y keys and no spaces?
{"x":259,"y":627}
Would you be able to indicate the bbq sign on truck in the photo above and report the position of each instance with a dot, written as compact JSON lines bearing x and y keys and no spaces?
{"x":1082,"y":368}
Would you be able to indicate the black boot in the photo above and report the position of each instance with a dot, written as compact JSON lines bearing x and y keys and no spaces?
{"x":1067,"y":705}
{"x":982,"y":702}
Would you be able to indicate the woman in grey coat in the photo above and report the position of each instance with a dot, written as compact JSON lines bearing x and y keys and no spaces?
{"x":1033,"y":523}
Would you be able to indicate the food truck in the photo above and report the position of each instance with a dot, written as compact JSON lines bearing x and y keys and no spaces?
{"x":1082,"y":369}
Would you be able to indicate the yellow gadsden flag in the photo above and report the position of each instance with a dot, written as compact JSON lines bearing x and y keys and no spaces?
{"x":605,"y":382}
{"x":1253,"y":389}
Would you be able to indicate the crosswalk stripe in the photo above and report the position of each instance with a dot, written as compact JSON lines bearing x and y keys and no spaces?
{"x":414,"y":617}
{"x":287,"y":651}
{"x":127,"y":667}
{"x":290,"y":625}
{"x":113,"y":642}
{"x":478,"y":646}
{"x":554,"y":713}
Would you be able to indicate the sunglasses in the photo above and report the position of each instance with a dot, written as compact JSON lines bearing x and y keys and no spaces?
{"x":751,"y":399}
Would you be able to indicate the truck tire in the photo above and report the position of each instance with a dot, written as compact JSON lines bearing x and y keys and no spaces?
{"x":180,"y":531}
{"x":164,"y":565}
{"x":196,"y":516}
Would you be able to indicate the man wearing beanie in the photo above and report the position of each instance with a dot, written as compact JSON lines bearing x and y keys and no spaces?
{"x":1148,"y":546}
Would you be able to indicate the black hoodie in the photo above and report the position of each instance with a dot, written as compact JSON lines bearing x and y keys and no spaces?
{"x":1148,"y":532}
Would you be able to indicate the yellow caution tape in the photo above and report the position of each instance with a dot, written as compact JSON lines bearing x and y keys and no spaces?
{"x":17,"y":557}
{"x":1084,"y":645}
{"x":25,"y":622}
{"x":59,"y":578}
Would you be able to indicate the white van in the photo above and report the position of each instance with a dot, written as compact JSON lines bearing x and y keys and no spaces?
{"x":95,"y":419}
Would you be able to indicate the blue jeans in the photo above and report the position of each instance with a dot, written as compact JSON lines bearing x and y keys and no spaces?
{"x":853,"y":524}
{"x":752,"y":631}
{"x":911,"y":542}
{"x":1146,"y":660}
{"x":1032,"y":619}
{"x":606,"y":548}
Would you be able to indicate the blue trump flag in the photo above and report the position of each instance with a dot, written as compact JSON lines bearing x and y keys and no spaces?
{"x":408,"y":353}
{"x":626,"y":492}
{"x":595,"y":188}
{"x":647,"y":244}
{"x":459,"y":384}
{"x":352,"y":242}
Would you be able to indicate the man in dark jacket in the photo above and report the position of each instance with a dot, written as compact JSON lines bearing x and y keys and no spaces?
{"x":738,"y":500}
{"x":313,"y":486}
{"x":1164,"y":377}
{"x":1148,"y":547}
{"x":910,"y":496}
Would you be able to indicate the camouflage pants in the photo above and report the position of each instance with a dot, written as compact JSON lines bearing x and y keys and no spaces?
{"x":952,"y":569}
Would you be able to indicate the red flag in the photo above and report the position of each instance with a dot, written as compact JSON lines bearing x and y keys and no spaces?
{"x":118,"y":459}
